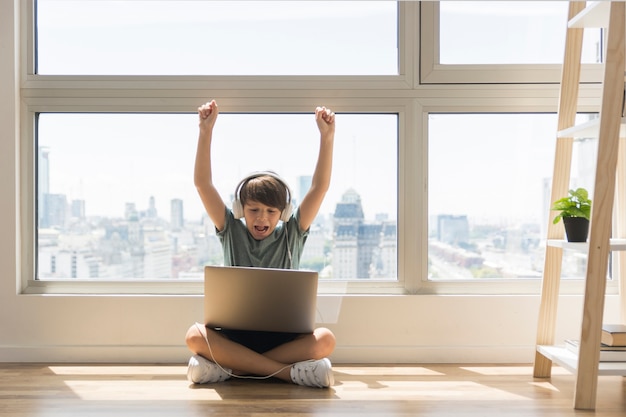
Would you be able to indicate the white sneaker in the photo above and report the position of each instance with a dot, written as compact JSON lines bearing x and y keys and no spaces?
{"x":203,"y":371}
{"x":313,"y":373}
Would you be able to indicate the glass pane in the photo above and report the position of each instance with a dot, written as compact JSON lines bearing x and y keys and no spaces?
{"x":489,"y":189}
{"x":116,"y":197}
{"x":508,"y":32}
{"x":138,"y":37}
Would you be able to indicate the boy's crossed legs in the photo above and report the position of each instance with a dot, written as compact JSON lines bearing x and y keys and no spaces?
{"x":301,"y":361}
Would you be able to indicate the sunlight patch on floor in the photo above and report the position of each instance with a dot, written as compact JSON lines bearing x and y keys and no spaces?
{"x":387,"y":370}
{"x":148,"y":370}
{"x":130,"y":390}
{"x":426,"y":390}
{"x":510,"y":370}
{"x":546,"y":385}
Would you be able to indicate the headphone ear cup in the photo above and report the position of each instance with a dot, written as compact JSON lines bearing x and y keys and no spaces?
{"x":237,"y":209}
{"x":286,"y":214}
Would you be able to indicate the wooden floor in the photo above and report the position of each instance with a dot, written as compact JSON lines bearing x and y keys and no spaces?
{"x":384,"y":391}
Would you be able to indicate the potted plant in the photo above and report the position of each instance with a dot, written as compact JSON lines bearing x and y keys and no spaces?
{"x":575,"y":210}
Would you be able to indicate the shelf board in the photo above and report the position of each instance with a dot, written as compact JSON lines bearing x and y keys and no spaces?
{"x":595,"y":15}
{"x":588,"y":130}
{"x":569,"y":360}
{"x":616,"y":244}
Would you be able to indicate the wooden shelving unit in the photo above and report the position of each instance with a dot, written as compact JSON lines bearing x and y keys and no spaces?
{"x":588,"y":130}
{"x":610,"y":171}
{"x":614,"y":244}
{"x":569,"y":361}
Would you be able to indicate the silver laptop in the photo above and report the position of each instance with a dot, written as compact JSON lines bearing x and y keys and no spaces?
{"x":277,"y":300}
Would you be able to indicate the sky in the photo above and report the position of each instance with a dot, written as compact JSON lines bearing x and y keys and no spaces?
{"x":109,"y":160}
{"x":217,"y":37}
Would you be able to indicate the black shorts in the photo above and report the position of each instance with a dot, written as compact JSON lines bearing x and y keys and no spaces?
{"x":258,"y":341}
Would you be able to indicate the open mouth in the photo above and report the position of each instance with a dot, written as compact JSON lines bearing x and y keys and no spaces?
{"x":261,"y":229}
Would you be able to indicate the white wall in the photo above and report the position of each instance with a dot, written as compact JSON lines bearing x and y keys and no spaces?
{"x":369,"y":328}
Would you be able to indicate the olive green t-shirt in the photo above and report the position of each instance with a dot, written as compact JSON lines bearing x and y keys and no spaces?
{"x":241,"y":249}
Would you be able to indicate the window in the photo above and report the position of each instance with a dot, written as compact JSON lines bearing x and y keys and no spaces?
{"x":471,"y":31}
{"x":115,"y":195}
{"x":137,"y":37}
{"x":117,"y":200}
{"x":490,"y":178}
{"x":406,"y":118}
{"x":500,"y":42}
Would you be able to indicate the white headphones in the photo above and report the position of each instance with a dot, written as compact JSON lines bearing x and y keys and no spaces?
{"x":238,"y":207}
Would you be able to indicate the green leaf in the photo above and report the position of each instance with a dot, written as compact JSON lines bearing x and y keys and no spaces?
{"x":576,"y":204}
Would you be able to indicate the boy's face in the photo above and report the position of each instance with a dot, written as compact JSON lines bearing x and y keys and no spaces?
{"x":261,"y":220}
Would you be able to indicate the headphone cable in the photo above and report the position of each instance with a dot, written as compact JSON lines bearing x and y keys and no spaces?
{"x":206,"y":339}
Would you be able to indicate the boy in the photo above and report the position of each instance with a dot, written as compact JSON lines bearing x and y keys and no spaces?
{"x":262,"y":199}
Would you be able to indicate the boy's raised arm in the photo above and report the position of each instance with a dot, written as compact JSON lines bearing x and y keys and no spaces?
{"x":312,"y":201}
{"x":203,"y":177}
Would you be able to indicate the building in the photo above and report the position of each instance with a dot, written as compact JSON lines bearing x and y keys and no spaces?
{"x":453,"y":230}
{"x":359,"y":246}
{"x":44,"y":184}
{"x":177,"y":218}
{"x":77,"y":209}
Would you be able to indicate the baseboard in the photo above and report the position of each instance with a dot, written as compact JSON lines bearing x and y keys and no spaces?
{"x":434,"y":354}
{"x":95,"y":354}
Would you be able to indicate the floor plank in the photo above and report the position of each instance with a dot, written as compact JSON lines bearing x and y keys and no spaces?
{"x":39,"y":390}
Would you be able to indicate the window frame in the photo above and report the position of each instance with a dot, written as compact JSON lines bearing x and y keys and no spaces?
{"x":176,"y":94}
{"x":404,"y":94}
{"x":145,"y":286}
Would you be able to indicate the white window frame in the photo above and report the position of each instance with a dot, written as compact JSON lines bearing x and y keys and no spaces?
{"x":175,"y":94}
{"x":403,"y":95}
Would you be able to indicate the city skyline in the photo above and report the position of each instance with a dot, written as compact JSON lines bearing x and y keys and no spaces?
{"x":143,"y":244}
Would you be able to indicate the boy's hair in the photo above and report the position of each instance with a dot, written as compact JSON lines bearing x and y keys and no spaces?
{"x":267,"y":189}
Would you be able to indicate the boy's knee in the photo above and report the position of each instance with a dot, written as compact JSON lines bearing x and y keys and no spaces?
{"x":325,"y":342}
{"x":330,"y":342}
{"x":193,"y":337}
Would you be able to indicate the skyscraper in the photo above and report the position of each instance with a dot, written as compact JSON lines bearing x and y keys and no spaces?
{"x":152,"y":211}
{"x":304,"y":183}
{"x":78,"y":209}
{"x":43,"y":183}
{"x":177,"y":221}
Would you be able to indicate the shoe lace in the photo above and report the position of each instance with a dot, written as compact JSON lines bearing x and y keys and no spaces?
{"x":305,"y":372}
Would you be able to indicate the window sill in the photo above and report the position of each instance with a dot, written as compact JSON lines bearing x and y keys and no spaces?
{"x":188,"y":287}
{"x":85,"y":287}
